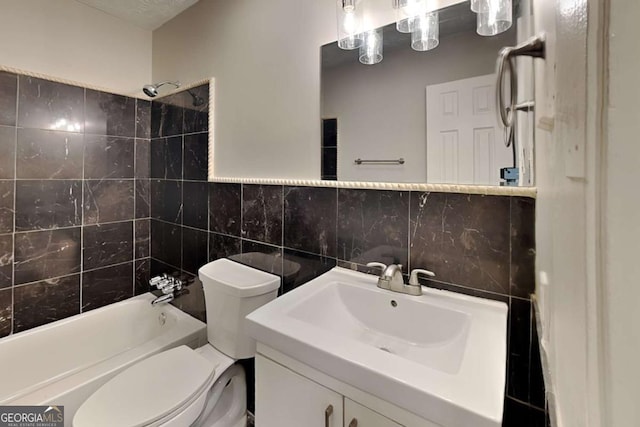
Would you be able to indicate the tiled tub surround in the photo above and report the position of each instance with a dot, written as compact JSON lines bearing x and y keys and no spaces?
{"x":178,"y":191}
{"x":74,"y":199}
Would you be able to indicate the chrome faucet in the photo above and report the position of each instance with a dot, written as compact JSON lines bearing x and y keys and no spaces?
{"x":163,"y":299}
{"x":167,"y":284}
{"x":391,"y":278}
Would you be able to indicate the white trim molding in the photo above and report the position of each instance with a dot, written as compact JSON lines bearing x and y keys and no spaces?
{"x":70,"y":82}
{"x":397,"y":186}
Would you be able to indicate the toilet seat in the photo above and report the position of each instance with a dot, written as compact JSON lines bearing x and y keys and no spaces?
{"x":152,"y":390}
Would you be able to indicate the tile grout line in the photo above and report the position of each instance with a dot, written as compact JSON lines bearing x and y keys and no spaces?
{"x":241,"y":217}
{"x":282,"y":207}
{"x":209,"y":248}
{"x":15,"y":197}
{"x":410,"y":193}
{"x":522,"y":402}
{"x":71,"y":227}
{"x":335,"y":226}
{"x":103,"y":267}
{"x":182,"y":198}
{"x":165,"y":263}
{"x":135,"y":188}
{"x":84,"y":152}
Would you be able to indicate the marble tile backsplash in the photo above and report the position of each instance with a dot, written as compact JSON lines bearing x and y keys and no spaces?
{"x":74,"y":200}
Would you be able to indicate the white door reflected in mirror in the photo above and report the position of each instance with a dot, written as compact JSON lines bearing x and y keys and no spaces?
{"x":465,"y":143}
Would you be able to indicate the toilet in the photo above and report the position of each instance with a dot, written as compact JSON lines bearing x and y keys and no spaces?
{"x":183,"y":387}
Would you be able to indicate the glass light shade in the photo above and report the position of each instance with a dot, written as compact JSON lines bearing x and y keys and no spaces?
{"x":349,"y":16}
{"x":426,"y":34}
{"x":479,"y":6}
{"x":406,"y":13}
{"x":497,"y":19}
{"x":371,"y":49}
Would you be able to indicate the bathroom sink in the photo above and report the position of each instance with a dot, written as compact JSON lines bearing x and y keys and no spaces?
{"x":412,"y":329}
{"x":441,"y":355}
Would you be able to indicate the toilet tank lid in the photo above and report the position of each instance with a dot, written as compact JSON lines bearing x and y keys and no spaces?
{"x":237,"y":279}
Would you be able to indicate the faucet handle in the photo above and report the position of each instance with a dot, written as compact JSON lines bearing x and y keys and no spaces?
{"x":413,"y":279}
{"x":380,"y":265}
{"x":167,"y":284}
{"x":155,"y":281}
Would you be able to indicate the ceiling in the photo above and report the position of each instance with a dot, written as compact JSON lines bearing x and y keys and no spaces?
{"x":147,"y":14}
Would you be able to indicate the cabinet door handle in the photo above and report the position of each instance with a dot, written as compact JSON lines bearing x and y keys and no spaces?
{"x":327,"y":415}
{"x":353,"y":423}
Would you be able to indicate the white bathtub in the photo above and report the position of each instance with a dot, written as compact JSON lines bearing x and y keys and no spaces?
{"x":64,"y":362}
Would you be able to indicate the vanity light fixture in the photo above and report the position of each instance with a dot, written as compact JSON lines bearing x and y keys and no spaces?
{"x":371,"y":49}
{"x":496,"y":18}
{"x":349,"y":14}
{"x":407,"y":12}
{"x":426,"y":33}
{"x":416,"y":18}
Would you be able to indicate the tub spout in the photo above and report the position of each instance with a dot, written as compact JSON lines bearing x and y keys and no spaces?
{"x":162,"y":299}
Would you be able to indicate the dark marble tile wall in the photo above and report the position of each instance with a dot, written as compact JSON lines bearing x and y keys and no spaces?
{"x":329,"y":161}
{"x":74,"y":200}
{"x":179,"y":192}
{"x":478,"y":245}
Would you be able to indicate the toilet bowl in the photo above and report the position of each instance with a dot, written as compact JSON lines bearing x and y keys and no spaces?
{"x":183,"y":387}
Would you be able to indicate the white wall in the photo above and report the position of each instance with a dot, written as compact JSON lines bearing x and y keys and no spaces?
{"x":265,"y":57}
{"x":568,"y":97}
{"x":621,"y":225}
{"x":69,"y":40}
{"x":381,"y":108}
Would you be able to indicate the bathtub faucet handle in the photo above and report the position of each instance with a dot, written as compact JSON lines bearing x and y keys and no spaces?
{"x":155,"y":281}
{"x":167,"y":284}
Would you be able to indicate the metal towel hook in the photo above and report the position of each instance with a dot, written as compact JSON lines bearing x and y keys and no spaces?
{"x":534,"y":47}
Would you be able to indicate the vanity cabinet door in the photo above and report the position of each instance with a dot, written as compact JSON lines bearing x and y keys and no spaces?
{"x":286,"y":399}
{"x":356,"y":415}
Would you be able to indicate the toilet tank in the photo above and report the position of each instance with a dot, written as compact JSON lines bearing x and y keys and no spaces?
{"x":231,"y":292}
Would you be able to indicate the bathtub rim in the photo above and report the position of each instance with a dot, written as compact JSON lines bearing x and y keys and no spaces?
{"x":185,"y":329}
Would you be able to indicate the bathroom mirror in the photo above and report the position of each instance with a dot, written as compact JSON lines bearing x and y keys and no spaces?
{"x":422,"y":116}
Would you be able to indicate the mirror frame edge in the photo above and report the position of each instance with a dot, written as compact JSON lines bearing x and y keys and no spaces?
{"x":487,"y":190}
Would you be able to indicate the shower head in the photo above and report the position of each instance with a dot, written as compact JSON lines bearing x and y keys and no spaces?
{"x":152,"y":90}
{"x":197,"y":100}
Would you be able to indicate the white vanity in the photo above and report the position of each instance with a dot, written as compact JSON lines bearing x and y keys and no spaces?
{"x":339,"y":351}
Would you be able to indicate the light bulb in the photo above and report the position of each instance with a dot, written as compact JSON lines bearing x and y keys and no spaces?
{"x":349,"y":18}
{"x":497,"y":18}
{"x":371,"y":49}
{"x":407,"y":12}
{"x":426,"y":34}
{"x":349,"y":24}
{"x":348,"y":5}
